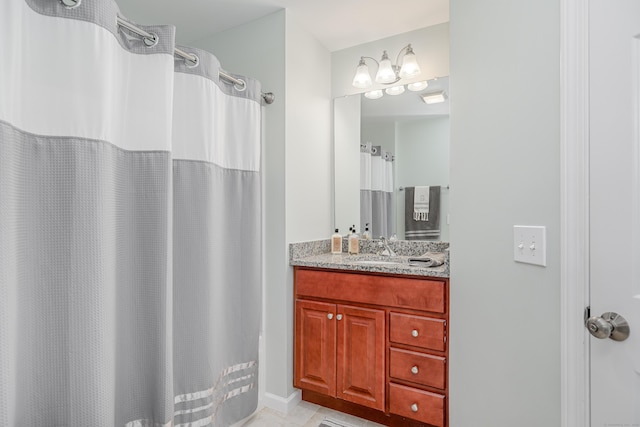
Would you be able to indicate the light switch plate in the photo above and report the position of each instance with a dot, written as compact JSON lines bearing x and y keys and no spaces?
{"x":530,"y":244}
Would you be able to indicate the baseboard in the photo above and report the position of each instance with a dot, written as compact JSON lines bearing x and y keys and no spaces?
{"x":282,"y":404}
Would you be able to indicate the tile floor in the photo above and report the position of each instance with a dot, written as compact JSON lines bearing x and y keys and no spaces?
{"x":304,"y":414}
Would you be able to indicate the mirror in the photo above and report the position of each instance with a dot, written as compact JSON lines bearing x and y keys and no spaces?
{"x":412,"y":134}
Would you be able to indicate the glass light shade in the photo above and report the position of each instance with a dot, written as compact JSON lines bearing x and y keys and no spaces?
{"x":395,"y":90}
{"x":374,"y":94}
{"x":362,"y":79}
{"x":417,"y":86}
{"x":410,"y":67}
{"x":385,"y":73}
{"x":433,"y":98}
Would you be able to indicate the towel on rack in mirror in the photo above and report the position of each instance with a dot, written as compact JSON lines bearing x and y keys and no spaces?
{"x":422,"y":230}
{"x":421,"y":204}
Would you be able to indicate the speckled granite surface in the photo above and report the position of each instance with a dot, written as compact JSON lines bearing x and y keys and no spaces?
{"x":317,"y":254}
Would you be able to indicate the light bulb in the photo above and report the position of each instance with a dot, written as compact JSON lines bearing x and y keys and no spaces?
{"x":395,"y":90}
{"x":374,"y":94}
{"x":417,"y":86}
{"x":385,"y":72}
{"x":362,"y":79}
{"x":410,"y":67}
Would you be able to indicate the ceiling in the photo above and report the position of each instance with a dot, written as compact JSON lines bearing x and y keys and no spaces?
{"x":337,"y":24}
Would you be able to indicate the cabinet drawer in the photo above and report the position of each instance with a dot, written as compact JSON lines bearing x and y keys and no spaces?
{"x":417,"y":367}
{"x":389,"y":291}
{"x":418,"y":331}
{"x":417,"y":404}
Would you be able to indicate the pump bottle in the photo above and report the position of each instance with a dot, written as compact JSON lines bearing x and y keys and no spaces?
{"x":336,"y":243}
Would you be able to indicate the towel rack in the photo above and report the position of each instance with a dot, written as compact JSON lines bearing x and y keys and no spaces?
{"x":444,"y":187}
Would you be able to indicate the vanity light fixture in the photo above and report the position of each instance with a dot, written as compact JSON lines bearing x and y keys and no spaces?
{"x":434,"y":97}
{"x":387,"y":73}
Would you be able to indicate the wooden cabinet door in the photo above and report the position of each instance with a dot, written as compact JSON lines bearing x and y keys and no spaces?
{"x":315,"y":346}
{"x":361,"y":348}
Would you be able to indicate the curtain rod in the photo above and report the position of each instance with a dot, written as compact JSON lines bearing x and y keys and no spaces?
{"x":151,"y":39}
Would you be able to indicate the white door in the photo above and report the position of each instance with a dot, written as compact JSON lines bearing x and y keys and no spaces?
{"x":614,"y":116}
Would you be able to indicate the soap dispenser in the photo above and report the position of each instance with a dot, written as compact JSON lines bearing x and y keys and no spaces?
{"x":354,"y":243}
{"x":366,"y":235}
{"x":336,"y":243}
{"x":346,"y":236}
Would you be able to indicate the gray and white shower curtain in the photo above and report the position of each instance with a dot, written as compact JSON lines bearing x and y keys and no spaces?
{"x":376,"y":190}
{"x":130,"y":289}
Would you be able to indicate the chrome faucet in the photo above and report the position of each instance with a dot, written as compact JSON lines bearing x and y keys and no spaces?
{"x":386,"y":251}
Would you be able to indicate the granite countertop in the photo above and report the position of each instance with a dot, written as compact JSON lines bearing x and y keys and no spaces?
{"x":316,"y":254}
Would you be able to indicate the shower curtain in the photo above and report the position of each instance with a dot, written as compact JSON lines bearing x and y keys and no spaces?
{"x":129,"y":226}
{"x":376,"y":190}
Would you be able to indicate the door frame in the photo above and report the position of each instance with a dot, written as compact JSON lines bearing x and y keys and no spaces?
{"x":574,"y":212}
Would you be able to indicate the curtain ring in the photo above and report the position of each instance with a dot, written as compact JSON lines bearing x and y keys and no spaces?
{"x":71,"y":4}
{"x":192,"y":63}
{"x":241,"y":88}
{"x":151,"y":41}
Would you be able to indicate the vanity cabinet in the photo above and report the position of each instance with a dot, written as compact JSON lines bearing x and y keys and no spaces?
{"x":373,"y":345}
{"x":341,"y":351}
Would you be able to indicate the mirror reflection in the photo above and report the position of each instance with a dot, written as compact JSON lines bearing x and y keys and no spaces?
{"x":385,"y":148}
{"x":391,"y":152}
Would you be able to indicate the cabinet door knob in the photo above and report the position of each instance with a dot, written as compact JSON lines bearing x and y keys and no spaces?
{"x":414,"y":370}
{"x":329,"y":316}
{"x":414,"y":407}
{"x":339,"y":317}
{"x":414,"y":333}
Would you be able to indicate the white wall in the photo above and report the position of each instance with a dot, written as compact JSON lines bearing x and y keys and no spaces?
{"x":309,"y":153}
{"x":505,"y":163}
{"x":422,"y":158}
{"x":297,"y":166}
{"x":430,"y":44}
{"x":309,"y":188}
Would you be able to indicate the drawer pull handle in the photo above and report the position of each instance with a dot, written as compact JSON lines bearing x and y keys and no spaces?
{"x":339,"y":317}
{"x":414,"y":370}
{"x":329,"y":316}
{"x":414,"y":333}
{"x":414,"y":407}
